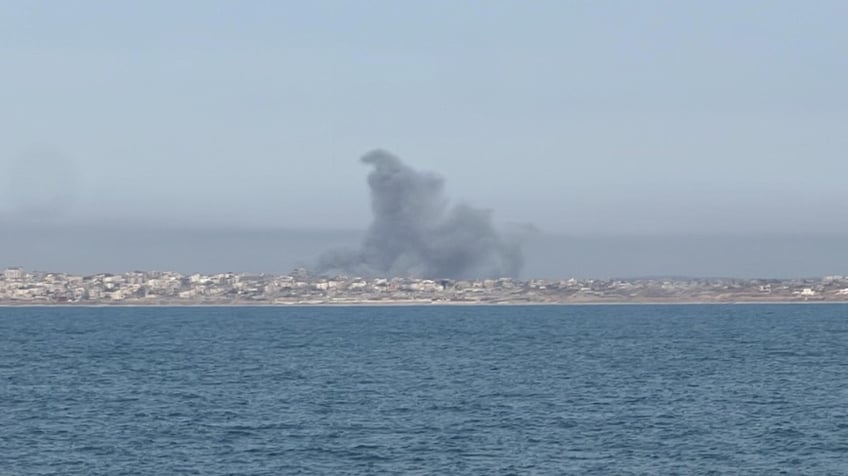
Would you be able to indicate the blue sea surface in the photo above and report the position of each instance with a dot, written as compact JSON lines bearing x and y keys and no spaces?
{"x":694,"y":389}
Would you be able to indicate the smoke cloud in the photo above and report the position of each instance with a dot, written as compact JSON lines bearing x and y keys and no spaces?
{"x":417,"y":232}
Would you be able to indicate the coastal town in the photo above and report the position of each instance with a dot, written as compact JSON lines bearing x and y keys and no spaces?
{"x":300,"y":287}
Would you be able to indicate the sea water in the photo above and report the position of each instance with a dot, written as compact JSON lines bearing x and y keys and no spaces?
{"x":694,"y":389}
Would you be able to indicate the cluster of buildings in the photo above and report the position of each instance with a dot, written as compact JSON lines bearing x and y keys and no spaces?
{"x":21,"y":287}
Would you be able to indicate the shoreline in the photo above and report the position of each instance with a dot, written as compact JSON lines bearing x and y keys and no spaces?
{"x":19,"y":288}
{"x":422,"y":304}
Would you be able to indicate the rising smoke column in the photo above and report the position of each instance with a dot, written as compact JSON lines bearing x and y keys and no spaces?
{"x":416,"y":232}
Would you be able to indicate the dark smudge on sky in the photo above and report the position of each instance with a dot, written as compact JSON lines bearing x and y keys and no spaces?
{"x":41,"y":184}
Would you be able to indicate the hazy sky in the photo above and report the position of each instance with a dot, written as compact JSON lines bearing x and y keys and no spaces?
{"x":580,"y":117}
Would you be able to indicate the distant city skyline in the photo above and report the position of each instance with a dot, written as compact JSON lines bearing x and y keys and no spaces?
{"x":582,"y":118}
{"x":301,"y":287}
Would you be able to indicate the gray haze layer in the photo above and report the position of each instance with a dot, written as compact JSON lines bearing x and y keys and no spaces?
{"x":88,"y":248}
{"x":416,"y":232}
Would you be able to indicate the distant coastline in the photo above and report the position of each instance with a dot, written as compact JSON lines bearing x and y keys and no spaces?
{"x":412,"y":304}
{"x":19,"y":287}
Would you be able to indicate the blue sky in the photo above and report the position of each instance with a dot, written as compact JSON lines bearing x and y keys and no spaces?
{"x":580,"y":117}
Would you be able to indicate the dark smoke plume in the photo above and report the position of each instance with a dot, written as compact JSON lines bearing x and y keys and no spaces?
{"x":416,"y":232}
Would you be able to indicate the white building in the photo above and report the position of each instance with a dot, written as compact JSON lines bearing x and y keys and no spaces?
{"x":13,"y":274}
